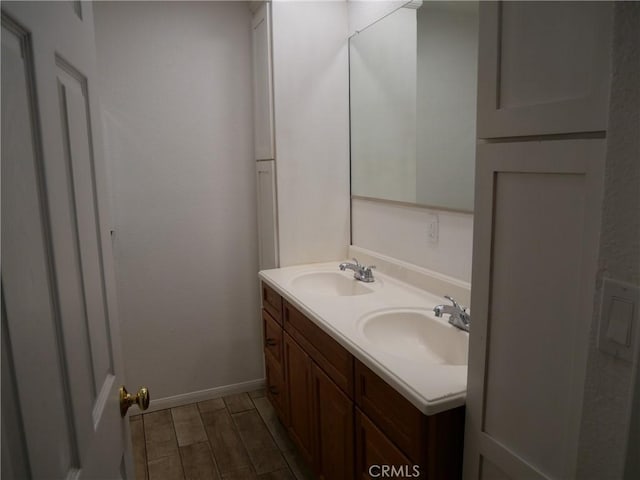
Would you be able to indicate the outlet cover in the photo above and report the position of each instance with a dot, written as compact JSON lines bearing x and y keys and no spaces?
{"x":432,"y":228}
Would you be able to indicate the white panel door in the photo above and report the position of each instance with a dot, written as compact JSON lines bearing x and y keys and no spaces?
{"x":535,"y":246}
{"x":543,"y":67}
{"x":59,"y":317}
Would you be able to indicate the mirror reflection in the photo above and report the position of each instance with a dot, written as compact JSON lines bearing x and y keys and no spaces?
{"x":413,"y":82}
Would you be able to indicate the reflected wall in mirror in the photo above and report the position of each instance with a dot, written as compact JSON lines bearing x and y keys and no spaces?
{"x":413,"y":83}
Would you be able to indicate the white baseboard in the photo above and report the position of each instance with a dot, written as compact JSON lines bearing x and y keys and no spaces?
{"x":201,"y":395}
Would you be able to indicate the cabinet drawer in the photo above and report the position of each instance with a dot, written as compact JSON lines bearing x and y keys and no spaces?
{"x":374,"y":449}
{"x":403,"y":423}
{"x":272,"y":338}
{"x":332,"y":357}
{"x":272,"y":302}
{"x":276,"y":388}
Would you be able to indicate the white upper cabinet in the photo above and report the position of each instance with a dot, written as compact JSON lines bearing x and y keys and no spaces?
{"x":267,"y":215}
{"x":543,"y":68}
{"x":262,"y":84}
{"x":263,"y":137}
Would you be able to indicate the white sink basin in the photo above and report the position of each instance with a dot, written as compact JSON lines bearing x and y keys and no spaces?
{"x":329,"y":284}
{"x":415,"y":335}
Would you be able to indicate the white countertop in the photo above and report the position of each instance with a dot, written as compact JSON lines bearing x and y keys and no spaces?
{"x":431,"y":387}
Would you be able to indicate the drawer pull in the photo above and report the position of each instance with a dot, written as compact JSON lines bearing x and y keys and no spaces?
{"x":273,"y":390}
{"x":271,"y":342}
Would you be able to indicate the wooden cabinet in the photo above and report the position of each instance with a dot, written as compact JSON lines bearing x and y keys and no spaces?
{"x":320,"y":415}
{"x":324,"y":350}
{"x":433,"y":442}
{"x":310,"y":384}
{"x":272,"y":302}
{"x":319,"y":374}
{"x":276,"y":388}
{"x":343,"y":418}
{"x":274,"y":366}
{"x":334,"y":428}
{"x":273,"y":339}
{"x":374,"y":449}
{"x":298,"y":377}
{"x":395,"y":416}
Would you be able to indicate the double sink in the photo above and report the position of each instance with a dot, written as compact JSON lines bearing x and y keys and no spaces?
{"x":412,"y":333}
{"x":388,"y":325}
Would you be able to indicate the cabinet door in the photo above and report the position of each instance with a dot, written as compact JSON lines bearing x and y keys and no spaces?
{"x":272,"y":339}
{"x":324,"y":350}
{"x":298,"y":375}
{"x":375,"y":451}
{"x":267,"y":215}
{"x":262,"y":84}
{"x":276,"y":387}
{"x":544,"y":67}
{"x":403,"y":423}
{"x":334,"y":428}
{"x":536,"y":231}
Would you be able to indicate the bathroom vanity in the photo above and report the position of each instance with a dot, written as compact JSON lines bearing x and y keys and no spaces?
{"x":355,"y":396}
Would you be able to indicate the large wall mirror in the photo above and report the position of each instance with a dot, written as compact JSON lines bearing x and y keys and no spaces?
{"x":413,"y":83}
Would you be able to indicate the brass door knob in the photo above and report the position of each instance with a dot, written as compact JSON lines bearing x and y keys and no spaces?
{"x":142,"y":398}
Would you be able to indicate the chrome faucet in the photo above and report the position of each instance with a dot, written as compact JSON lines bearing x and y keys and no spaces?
{"x":458,"y":316}
{"x":360,"y":272}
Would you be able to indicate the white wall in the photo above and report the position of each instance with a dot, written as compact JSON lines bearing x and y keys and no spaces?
{"x":609,"y":381}
{"x":176,"y":93}
{"x":400,"y":231}
{"x":311,"y":102}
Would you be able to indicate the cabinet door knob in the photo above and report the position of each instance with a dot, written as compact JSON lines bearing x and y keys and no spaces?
{"x":273,"y":390}
{"x":271,"y":342}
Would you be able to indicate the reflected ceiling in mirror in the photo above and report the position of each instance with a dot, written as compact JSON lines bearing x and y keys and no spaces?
{"x":413,"y":82}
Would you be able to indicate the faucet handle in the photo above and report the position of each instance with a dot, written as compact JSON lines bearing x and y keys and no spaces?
{"x":358,"y":264}
{"x":365,"y":273}
{"x":455,"y":304}
{"x":452,"y":300}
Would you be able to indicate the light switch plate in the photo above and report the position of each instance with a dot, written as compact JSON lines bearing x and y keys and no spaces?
{"x":619,"y":318}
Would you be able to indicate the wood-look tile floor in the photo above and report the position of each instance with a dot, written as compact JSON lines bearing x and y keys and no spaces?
{"x":237,"y":437}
